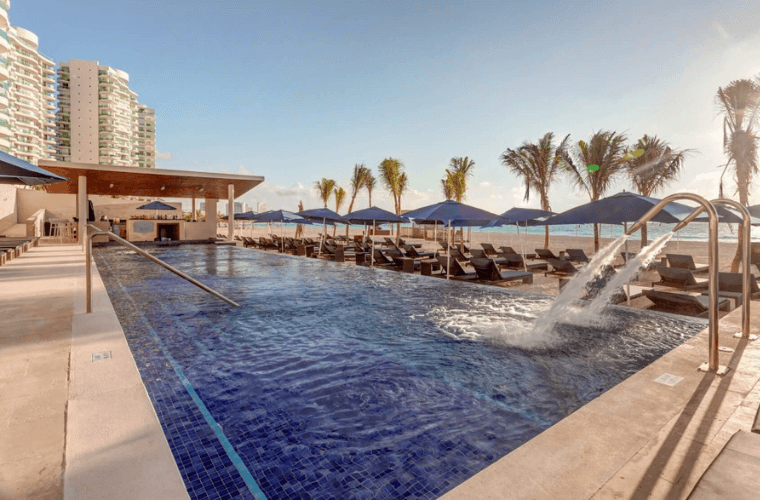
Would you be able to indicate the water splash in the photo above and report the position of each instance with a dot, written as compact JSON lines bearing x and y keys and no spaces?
{"x":594,"y":311}
{"x":563,"y":307}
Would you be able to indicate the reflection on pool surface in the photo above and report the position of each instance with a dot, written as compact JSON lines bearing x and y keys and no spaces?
{"x":340,"y":381}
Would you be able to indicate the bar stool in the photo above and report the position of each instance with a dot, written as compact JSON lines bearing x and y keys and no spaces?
{"x":56,"y":231}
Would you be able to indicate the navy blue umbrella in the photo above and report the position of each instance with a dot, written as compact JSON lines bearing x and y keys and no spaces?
{"x":17,"y":171}
{"x":283,"y":217}
{"x":374,"y":215}
{"x":156,"y":205}
{"x":323,"y":214}
{"x":451,"y":213}
{"x":250,"y":215}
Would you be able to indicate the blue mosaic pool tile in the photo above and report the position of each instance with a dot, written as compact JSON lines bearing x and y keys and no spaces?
{"x":268,"y":402}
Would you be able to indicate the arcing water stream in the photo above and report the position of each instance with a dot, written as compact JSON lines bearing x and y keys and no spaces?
{"x":594,"y":311}
{"x":564,"y":307}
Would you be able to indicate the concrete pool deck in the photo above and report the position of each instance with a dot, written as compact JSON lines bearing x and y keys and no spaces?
{"x":73,"y":427}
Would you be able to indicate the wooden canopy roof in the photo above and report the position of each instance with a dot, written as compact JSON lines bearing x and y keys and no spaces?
{"x":147,"y":182}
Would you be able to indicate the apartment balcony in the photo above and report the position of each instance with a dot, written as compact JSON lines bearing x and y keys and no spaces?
{"x":5,"y":45}
{"x":4,"y":74}
{"x":4,"y":22}
{"x":48,"y":78}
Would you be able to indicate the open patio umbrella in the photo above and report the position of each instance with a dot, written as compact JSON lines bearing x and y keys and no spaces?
{"x":374,"y":215}
{"x":283,"y":217}
{"x":17,"y":171}
{"x":450,"y":214}
{"x":325,"y":215}
{"x":516,"y":215}
{"x":156,"y":206}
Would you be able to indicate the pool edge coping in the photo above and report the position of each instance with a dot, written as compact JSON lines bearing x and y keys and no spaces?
{"x":113,"y":434}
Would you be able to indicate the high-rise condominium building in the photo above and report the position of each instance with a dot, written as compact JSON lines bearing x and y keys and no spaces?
{"x":27,"y":93}
{"x":99,"y":119}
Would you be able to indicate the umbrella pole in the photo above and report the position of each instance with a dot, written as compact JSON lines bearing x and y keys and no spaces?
{"x":628,"y":283}
{"x":372,"y":257}
{"x":435,"y":232}
{"x":448,"y":252}
{"x":522,"y":247}
{"x":282,"y":237}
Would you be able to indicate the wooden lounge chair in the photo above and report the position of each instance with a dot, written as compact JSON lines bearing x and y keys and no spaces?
{"x":516,"y":261}
{"x":561,"y":268}
{"x":576,"y":255}
{"x":546,"y":254}
{"x":685,"y":262}
{"x":487,"y":270}
{"x":456,"y":269}
{"x":683,"y":302}
{"x":683,"y":279}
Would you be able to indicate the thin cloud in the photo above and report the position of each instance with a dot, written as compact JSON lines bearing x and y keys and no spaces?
{"x":721,"y":30}
{"x":163,"y":156}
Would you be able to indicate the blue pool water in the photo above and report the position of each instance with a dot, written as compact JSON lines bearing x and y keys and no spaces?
{"x":336,"y":381}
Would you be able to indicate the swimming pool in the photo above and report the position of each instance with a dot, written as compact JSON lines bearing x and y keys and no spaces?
{"x":340,"y":381}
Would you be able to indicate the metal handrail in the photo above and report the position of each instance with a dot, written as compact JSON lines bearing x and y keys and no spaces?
{"x":144,"y":254}
{"x":712,"y":364}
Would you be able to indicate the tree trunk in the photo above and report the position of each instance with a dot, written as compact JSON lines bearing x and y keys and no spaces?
{"x":738,"y":257}
{"x":596,"y":238}
{"x":644,"y":241}
{"x":546,"y":237}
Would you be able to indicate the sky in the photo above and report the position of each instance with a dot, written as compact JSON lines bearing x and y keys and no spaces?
{"x":297,"y":91}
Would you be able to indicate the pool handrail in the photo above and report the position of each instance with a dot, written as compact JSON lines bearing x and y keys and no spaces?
{"x":746,"y":250}
{"x":712,"y":364}
{"x":121,"y":241}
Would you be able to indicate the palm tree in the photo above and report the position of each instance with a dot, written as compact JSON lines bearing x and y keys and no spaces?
{"x":448,"y":189}
{"x":461,"y":170}
{"x":299,"y":227}
{"x":604,"y":150}
{"x":369,"y":182}
{"x":357,"y":183}
{"x":340,"y":195}
{"x":651,"y":164}
{"x":538,"y":165}
{"x":393,"y":176}
{"x":739,"y":102}
{"x":325,"y":188}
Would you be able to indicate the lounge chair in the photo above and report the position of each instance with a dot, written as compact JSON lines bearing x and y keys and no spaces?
{"x":487,"y":270}
{"x":516,"y":261}
{"x":730,"y":287}
{"x":458,"y":255}
{"x":249,"y":242}
{"x":546,"y":254}
{"x":405,"y":244}
{"x":680,"y":278}
{"x":577,"y":255}
{"x":561,"y":268}
{"x":685,"y":262}
{"x":456,"y":269}
{"x":684,"y":301}
{"x":490,"y":250}
{"x":412,"y":251}
{"x":482,"y":254}
{"x":381,"y":259}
